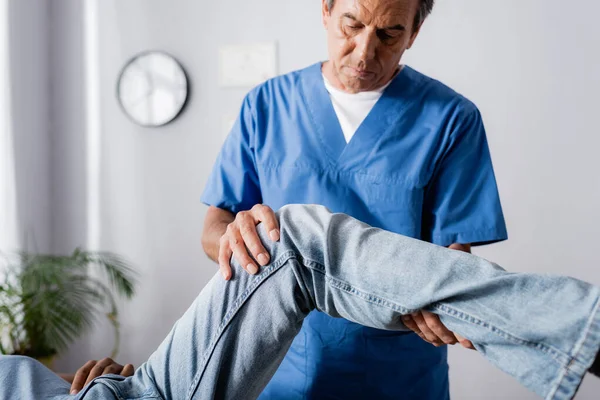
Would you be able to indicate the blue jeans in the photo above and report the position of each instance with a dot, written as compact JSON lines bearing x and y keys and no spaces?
{"x":542,"y":330}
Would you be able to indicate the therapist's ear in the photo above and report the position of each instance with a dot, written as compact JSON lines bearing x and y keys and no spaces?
{"x":325,"y":13}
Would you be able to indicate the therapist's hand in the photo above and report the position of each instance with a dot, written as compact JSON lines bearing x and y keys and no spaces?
{"x":428,"y":325}
{"x":429,"y":328}
{"x":241,"y":237}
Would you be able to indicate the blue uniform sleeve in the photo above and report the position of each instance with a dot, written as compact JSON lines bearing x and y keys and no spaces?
{"x":462,"y":204}
{"x":233,"y":184}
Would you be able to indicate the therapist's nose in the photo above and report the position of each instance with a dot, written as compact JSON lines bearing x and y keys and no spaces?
{"x":366,"y":43}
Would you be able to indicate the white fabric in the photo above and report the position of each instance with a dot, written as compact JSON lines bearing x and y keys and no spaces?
{"x":352,"y":108}
{"x":8,"y":204}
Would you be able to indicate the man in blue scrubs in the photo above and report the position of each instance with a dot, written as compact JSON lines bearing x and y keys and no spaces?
{"x":364,"y":135}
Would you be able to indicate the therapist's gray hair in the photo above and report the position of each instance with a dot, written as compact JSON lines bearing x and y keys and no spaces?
{"x":425,"y":8}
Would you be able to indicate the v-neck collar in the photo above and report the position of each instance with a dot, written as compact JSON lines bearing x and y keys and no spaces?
{"x":326,"y":123}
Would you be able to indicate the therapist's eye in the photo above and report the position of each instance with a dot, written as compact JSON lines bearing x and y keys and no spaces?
{"x":388,"y":36}
{"x":351,"y":28}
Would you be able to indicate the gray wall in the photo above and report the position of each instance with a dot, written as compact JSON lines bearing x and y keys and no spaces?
{"x":535,"y":84}
{"x":531,"y":70}
{"x":68,"y":125}
{"x":29,"y":73}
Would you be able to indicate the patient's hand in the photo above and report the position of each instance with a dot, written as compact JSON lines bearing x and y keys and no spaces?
{"x":94,"y":369}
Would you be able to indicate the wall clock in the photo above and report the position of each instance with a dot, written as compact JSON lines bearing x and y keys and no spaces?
{"x":152,"y":89}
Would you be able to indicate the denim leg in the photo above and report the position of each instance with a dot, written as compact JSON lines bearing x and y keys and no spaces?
{"x":23,"y":378}
{"x":542,"y":330}
{"x":26,"y":378}
{"x":231,"y":340}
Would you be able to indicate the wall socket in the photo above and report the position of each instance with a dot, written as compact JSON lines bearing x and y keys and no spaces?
{"x":247,"y":65}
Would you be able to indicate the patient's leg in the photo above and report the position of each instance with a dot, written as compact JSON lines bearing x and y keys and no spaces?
{"x":26,"y":378}
{"x":543,"y":330}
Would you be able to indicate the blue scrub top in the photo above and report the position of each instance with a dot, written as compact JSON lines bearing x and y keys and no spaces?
{"x":419,"y":165}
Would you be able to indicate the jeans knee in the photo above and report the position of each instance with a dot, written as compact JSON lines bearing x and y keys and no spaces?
{"x":18,"y":364}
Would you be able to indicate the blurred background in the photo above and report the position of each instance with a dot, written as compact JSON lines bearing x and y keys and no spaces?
{"x":75,"y":170}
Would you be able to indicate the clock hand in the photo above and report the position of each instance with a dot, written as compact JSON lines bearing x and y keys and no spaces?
{"x":142,"y":97}
{"x":164,"y":81}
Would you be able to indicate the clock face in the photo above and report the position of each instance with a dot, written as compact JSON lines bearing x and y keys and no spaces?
{"x":152,"y":89}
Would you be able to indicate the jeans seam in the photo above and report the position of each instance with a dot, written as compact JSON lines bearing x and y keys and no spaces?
{"x":345,"y":286}
{"x":149,"y":393}
{"x":341,"y":285}
{"x":561,"y":383}
{"x":233,"y":310}
{"x":558,"y":355}
{"x":577,"y":349}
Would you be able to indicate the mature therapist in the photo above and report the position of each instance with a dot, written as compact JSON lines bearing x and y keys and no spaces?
{"x":364,"y":135}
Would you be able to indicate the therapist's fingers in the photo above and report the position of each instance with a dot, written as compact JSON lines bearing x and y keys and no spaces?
{"x":410,"y":323}
{"x":467,"y":344}
{"x":425,"y":330}
{"x":266,"y":215}
{"x":435,"y":325}
{"x":247,"y":227}
{"x":240,"y":253}
{"x":225,"y":254}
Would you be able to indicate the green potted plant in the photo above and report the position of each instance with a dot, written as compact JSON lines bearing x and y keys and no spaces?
{"x":48,"y":301}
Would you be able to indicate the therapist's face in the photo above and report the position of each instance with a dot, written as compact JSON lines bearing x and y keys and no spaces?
{"x":366,"y":40}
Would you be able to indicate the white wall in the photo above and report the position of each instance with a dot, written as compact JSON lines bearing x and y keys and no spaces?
{"x":67,"y":112}
{"x":68,"y":145}
{"x":9,"y":235}
{"x":531,"y":66}
{"x":28,"y":44}
{"x":152,"y":179}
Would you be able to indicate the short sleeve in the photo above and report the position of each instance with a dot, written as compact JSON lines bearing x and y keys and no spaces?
{"x":462,"y":204}
{"x":233,"y":183}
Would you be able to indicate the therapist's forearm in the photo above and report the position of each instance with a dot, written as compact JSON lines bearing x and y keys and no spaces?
{"x":215,"y":225}
{"x":460,"y":247}
{"x":428,"y":325}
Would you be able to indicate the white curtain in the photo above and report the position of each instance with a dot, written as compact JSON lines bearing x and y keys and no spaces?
{"x":8,"y":205}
